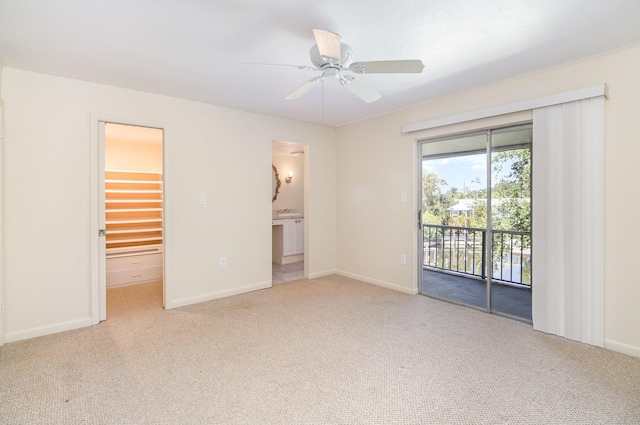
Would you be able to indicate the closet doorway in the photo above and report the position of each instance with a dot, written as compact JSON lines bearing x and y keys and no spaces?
{"x":289,"y":198}
{"x":129,"y":219}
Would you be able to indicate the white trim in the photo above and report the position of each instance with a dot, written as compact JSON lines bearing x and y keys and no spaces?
{"x":2,"y":302}
{"x":570,"y":96}
{"x":98,"y":304}
{"x":322,"y":274}
{"x":620,"y":347}
{"x":102,"y":220}
{"x":382,"y":283}
{"x":48,"y":329}
{"x":215,"y":295}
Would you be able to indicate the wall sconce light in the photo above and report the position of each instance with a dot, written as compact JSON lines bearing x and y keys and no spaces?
{"x":288,"y":179}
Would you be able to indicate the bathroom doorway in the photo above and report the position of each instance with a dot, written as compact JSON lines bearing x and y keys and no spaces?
{"x":288,"y":212}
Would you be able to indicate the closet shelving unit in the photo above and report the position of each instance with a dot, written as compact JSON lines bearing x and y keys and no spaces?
{"x":134,"y":226}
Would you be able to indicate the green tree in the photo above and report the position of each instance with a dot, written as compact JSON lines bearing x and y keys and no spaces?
{"x":479,"y":217}
{"x":513,"y":188}
{"x":434,"y":201}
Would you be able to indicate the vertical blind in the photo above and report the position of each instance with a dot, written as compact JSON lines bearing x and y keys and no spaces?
{"x":568,"y":220}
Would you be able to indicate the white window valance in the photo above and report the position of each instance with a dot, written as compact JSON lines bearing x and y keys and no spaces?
{"x":527,"y":105}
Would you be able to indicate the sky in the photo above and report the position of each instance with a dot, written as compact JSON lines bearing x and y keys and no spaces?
{"x":460,"y":171}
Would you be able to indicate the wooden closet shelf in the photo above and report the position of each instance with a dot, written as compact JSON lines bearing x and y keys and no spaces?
{"x":127,"y":191}
{"x":130,"y":210}
{"x":133,"y":181}
{"x":136,"y":250}
{"x":133,"y":201}
{"x":126,"y":232}
{"x":134,"y":221}
{"x":133,"y":240}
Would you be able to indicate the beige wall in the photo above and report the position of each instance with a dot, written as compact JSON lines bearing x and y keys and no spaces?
{"x":46,"y":196}
{"x":358,"y":227}
{"x":374,"y":227}
{"x":291,"y":195}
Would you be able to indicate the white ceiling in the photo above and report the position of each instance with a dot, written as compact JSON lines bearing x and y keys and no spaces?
{"x":196,"y":49}
{"x":286,"y":148}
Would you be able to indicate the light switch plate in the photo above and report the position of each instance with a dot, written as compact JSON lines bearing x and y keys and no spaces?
{"x":203,"y":199}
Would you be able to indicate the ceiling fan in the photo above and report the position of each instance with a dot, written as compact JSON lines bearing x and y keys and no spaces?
{"x":333,"y":57}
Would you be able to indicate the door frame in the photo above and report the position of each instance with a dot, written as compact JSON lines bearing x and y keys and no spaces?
{"x":98,"y":260}
{"x":420,"y":232}
{"x":2,"y":302}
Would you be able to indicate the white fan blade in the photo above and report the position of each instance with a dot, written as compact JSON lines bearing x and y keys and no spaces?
{"x":328,"y":43}
{"x":302,"y":67}
{"x":300,"y":91}
{"x":363,"y":91}
{"x":411,"y":66}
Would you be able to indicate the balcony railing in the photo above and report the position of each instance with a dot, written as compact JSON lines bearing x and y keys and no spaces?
{"x":463,"y":250}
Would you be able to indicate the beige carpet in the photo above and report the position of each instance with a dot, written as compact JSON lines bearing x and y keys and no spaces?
{"x":326,"y":351}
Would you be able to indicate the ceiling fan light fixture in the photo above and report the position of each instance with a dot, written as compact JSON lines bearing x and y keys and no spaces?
{"x":331,"y":72}
{"x":346,"y":57}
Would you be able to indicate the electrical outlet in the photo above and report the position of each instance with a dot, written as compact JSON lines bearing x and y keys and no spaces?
{"x":232,"y":261}
{"x":403,"y":197}
{"x":403,"y":259}
{"x":223,"y":261}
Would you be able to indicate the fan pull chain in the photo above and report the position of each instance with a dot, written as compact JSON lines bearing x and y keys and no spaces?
{"x":322,"y":105}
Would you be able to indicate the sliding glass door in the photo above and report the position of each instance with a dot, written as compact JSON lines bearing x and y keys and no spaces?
{"x":454,"y":194}
{"x":475,"y":237}
{"x":510,"y":220}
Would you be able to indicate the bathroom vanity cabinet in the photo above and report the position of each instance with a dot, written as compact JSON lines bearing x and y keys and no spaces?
{"x":288,"y":240}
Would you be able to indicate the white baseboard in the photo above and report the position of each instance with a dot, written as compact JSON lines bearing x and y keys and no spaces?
{"x":47,"y":330}
{"x":124,"y":284}
{"x":388,"y":285}
{"x":322,"y":274}
{"x":290,"y":259}
{"x":215,"y":295}
{"x":627,"y":349}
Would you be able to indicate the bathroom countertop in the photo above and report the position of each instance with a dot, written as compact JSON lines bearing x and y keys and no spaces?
{"x":287,"y":216}
{"x":278,"y":220}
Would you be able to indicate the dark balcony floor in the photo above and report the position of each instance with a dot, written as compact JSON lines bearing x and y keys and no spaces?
{"x":472,"y":291}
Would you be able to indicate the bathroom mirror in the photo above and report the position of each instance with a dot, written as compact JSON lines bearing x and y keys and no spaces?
{"x":275,"y":183}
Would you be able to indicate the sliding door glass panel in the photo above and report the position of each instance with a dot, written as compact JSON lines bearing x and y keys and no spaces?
{"x":510,"y":286}
{"x":453,"y":239}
